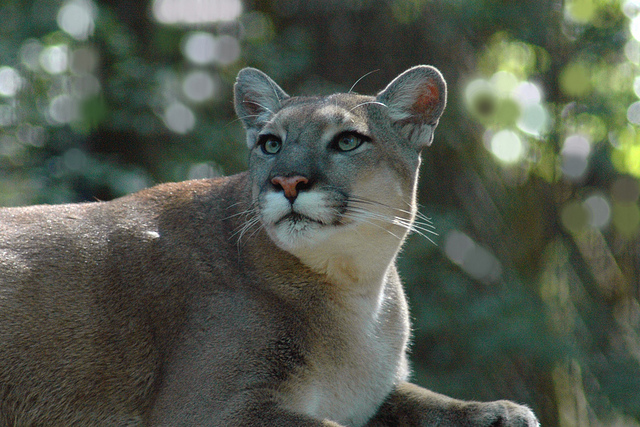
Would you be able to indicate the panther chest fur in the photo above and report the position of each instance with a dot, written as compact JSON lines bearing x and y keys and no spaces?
{"x":347,"y":382}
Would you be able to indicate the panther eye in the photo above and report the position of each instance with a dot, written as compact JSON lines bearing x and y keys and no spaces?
{"x":270,"y":144}
{"x":348,"y":141}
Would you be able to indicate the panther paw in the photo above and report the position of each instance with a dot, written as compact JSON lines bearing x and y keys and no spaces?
{"x":501,"y":413}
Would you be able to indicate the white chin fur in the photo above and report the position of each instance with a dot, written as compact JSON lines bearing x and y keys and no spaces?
{"x":290,"y":234}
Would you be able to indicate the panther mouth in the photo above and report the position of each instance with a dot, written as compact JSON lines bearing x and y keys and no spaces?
{"x":312,"y":218}
{"x":295,"y":218}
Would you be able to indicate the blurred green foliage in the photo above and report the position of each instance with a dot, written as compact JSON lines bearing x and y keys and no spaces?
{"x":531,"y":291}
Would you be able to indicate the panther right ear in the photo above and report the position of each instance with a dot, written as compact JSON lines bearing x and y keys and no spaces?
{"x":257,"y":98}
{"x":415,"y":101}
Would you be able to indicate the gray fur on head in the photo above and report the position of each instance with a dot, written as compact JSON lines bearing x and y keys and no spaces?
{"x":415,"y":101}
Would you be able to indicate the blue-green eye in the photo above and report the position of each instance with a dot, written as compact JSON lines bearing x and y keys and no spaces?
{"x":348,"y":141}
{"x":270,"y":144}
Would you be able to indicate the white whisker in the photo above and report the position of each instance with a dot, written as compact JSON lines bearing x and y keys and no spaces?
{"x":358,"y":81}
{"x":366,"y":103}
{"x":419,"y":227}
{"x":410,"y":223}
{"x":364,"y":217}
{"x":247,"y":212}
{"x":233,"y":205}
{"x":383,"y":218}
{"x":249,"y":222}
{"x":244,"y":228}
{"x":419,"y":215}
{"x":259,"y":105}
{"x":275,"y":92}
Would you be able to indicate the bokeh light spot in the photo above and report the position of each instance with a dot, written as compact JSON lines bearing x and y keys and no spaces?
{"x":479,"y":86}
{"x":575,"y":80}
{"x":599,"y":210}
{"x":633,"y":113}
{"x":527,"y":93}
{"x":30,"y":54}
{"x":196,"y":11}
{"x":76,"y":19}
{"x":54,"y":59}
{"x":636,"y":86}
{"x":504,"y":83}
{"x":575,"y":156}
{"x":10,"y":81}
{"x":481,"y":99}
{"x":204,"y":171}
{"x":627,"y":159}
{"x":631,"y":8}
{"x":199,"y":86}
{"x":457,"y":245}
{"x":634,"y":27}
{"x":200,"y":48}
{"x":534,"y":119}
{"x":577,"y":145}
{"x":507,"y":146}
{"x":580,"y":11}
{"x":632,"y":51}
{"x":477,"y":261}
{"x":63,"y":109}
{"x":204,"y":48}
{"x":482,"y":264}
{"x":75,"y":159}
{"x":129,"y":182}
{"x":179,"y":118}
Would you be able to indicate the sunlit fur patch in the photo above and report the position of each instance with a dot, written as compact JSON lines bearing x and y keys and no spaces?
{"x":333,"y":114}
{"x":338,"y":120}
{"x":392,"y":211}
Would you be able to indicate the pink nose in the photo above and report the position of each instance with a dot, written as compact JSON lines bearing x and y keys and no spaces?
{"x":289,"y":185}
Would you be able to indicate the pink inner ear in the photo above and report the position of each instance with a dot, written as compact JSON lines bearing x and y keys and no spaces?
{"x":427,"y":99}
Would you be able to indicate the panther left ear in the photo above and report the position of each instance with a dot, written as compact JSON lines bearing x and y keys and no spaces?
{"x":257,"y":98}
{"x":415,"y":101}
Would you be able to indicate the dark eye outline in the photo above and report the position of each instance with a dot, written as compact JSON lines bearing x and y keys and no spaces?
{"x":263,"y":140}
{"x":335,"y":144}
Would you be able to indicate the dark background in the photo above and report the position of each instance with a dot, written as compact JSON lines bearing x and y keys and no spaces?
{"x":531,"y":289}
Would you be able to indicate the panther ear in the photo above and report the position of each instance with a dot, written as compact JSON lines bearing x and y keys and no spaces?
{"x":415,"y":101}
{"x":257,"y":98}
